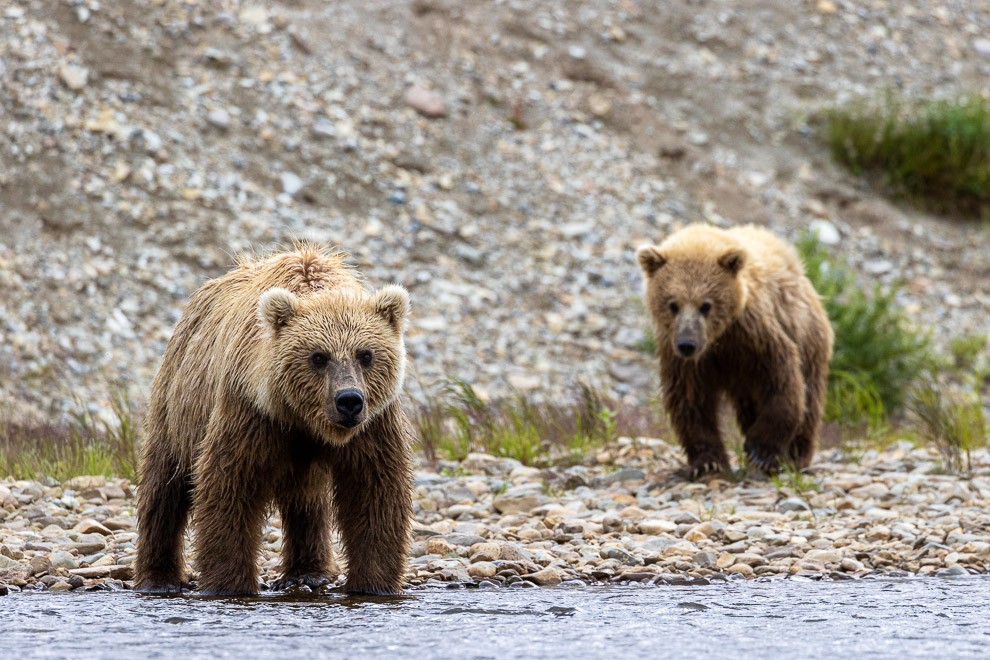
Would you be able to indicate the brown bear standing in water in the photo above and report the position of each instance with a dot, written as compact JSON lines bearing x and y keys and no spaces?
{"x":280,"y":386}
{"x":735,"y":315}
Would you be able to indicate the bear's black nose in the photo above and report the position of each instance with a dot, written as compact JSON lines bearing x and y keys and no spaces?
{"x":349,"y":402}
{"x":686,"y":347}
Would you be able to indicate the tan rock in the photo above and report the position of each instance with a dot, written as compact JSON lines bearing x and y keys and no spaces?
{"x":90,"y":526}
{"x":547,"y":577}
{"x":427,"y":103}
{"x":481,"y":569}
{"x":117,"y":572}
{"x":437,"y":545}
{"x":824,"y":556}
{"x":655,"y":526}
{"x":750,"y":559}
{"x":485,"y":552}
{"x":725,"y":560}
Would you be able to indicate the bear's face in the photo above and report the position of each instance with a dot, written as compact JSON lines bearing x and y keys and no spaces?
{"x":336,"y":359}
{"x":693,"y":297}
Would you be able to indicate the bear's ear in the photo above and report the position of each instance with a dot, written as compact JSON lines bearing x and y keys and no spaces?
{"x":391,"y":302}
{"x":276,"y":306}
{"x":650,"y":259}
{"x":733,"y":260}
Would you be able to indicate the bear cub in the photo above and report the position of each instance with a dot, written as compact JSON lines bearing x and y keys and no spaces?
{"x":280,"y":387}
{"x":735,"y":317}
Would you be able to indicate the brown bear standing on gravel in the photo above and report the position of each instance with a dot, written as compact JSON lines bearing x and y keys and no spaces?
{"x":280,"y":386}
{"x":735,"y":315}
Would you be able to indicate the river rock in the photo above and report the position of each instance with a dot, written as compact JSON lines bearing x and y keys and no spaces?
{"x":437,"y":545}
{"x":547,"y":577}
{"x":117,"y":571}
{"x":62,"y":559}
{"x":824,"y":556}
{"x":481,"y":569}
{"x":522,"y":502}
{"x":87,"y":544}
{"x":485,"y":552}
{"x":90,"y":526}
{"x":655,"y":526}
{"x":40,"y":565}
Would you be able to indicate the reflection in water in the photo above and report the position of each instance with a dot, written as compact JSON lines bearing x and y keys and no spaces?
{"x":866,"y":619}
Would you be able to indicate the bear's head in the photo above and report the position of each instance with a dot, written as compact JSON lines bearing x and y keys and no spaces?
{"x":693,"y":294}
{"x":335,"y":359}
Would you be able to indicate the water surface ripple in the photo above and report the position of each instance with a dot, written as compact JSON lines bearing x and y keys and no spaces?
{"x":910,"y":618}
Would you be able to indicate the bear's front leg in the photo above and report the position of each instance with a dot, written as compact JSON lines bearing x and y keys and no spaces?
{"x":372,"y":496}
{"x":230,"y":499}
{"x":305,"y":508}
{"x":695,"y":421}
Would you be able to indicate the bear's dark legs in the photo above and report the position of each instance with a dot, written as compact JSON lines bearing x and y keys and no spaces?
{"x":696,"y":425}
{"x":232,"y":490}
{"x":746,"y":414}
{"x":779,"y":405}
{"x":307,"y":554}
{"x":162,"y":512}
{"x":372,"y":497}
{"x":770,"y":436}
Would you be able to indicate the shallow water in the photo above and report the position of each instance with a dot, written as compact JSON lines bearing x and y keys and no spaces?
{"x":886,"y":618}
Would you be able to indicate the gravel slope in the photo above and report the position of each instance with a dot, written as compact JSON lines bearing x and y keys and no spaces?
{"x":141,"y":147}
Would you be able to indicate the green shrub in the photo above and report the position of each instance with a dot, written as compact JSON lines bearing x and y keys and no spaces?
{"x":967,"y":350}
{"x":935,"y":153}
{"x":877,"y":355}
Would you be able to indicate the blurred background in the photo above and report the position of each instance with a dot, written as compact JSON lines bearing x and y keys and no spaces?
{"x":502,"y":160}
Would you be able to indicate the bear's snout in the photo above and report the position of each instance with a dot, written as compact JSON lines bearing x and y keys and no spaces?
{"x":689,"y":334}
{"x":349,"y":404}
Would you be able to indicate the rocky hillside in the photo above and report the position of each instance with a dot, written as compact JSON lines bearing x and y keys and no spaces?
{"x":502,"y":159}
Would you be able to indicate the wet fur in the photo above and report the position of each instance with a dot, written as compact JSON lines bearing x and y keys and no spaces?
{"x":766,"y":348}
{"x":236,"y":426}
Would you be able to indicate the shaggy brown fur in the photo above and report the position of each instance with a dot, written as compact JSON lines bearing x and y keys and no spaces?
{"x":735,"y":315}
{"x":258,"y":401}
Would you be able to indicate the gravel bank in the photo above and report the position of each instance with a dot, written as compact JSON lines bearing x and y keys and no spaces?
{"x":498,"y":523}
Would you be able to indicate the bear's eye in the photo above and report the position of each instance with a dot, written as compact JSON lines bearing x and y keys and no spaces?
{"x":674,"y":308}
{"x":319,"y":359}
{"x":365,"y":357}
{"x":705,"y":308}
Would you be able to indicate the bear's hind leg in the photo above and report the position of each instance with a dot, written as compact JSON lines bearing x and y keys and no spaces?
{"x":779,"y":413}
{"x":164,"y":498}
{"x":307,"y":554}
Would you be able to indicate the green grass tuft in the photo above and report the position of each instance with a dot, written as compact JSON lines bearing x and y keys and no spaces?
{"x":952,"y":421}
{"x":457,"y":421}
{"x":878,"y":354}
{"x":934,"y":153}
{"x":85,"y":446}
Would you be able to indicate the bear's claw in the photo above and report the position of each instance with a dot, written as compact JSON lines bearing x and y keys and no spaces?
{"x":698,"y":470}
{"x":761,"y":461}
{"x":311,"y":580}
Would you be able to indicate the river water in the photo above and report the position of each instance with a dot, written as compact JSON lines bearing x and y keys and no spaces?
{"x":881,"y":618}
